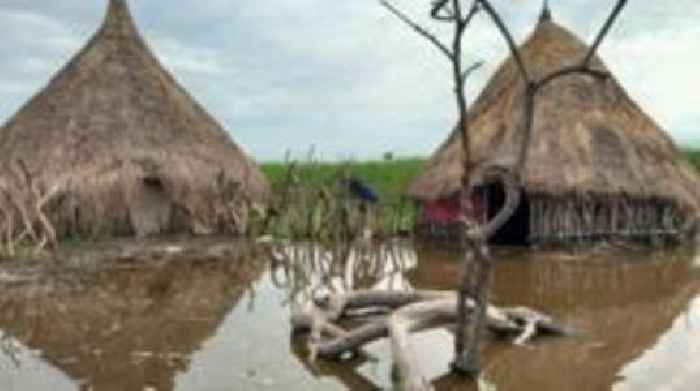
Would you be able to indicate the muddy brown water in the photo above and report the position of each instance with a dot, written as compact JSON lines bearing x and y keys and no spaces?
{"x":180,"y":320}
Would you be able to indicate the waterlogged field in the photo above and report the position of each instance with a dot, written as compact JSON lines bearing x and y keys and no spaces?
{"x":214,"y":315}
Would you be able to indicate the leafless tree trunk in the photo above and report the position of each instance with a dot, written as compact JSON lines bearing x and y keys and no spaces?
{"x":453,"y":12}
{"x":476,"y":265}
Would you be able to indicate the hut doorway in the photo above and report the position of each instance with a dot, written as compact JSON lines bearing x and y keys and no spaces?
{"x":517,"y":230}
{"x":150,"y":209}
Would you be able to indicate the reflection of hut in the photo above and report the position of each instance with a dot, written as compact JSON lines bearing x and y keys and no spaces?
{"x":598,"y":166}
{"x":623,"y":303}
{"x":133,"y":152}
{"x":131,"y":327}
{"x":623,"y":317}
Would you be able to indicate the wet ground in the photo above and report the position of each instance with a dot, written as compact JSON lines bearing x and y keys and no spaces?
{"x":213,"y":315}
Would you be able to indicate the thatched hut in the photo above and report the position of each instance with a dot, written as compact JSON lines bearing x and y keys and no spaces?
{"x":128,"y":149}
{"x":598,"y":166}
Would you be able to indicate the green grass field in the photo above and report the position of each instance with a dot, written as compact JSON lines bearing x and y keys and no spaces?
{"x":693,"y":156}
{"x":389,"y":178}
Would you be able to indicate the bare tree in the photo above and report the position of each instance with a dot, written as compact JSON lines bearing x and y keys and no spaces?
{"x":411,"y":311}
{"x":476,"y":265}
{"x":453,"y":12}
{"x":459,"y":16}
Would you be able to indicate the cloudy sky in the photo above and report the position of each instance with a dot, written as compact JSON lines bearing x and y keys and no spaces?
{"x":346,"y":76}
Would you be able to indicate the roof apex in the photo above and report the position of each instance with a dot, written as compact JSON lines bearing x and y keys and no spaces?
{"x":546,"y":15}
{"x":118,"y":20}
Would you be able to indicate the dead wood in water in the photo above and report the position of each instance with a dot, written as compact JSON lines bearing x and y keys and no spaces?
{"x":406,"y":312}
{"x":24,"y":200}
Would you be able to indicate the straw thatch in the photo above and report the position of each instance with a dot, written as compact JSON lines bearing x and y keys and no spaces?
{"x":131,"y":151}
{"x":591,"y":142}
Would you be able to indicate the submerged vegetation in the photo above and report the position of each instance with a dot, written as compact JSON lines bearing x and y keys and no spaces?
{"x":308,"y":197}
{"x":312,"y":199}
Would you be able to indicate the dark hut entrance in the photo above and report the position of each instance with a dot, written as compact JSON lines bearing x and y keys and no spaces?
{"x":150,"y":209}
{"x":517,"y":230}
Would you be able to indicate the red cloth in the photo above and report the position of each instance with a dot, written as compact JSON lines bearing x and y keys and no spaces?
{"x":448,"y":210}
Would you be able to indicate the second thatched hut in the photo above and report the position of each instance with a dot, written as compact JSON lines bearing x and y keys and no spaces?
{"x":598,"y":166}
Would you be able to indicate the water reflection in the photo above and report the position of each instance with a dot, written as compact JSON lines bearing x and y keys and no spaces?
{"x":670,"y":363}
{"x":129,"y":327}
{"x":307,"y":268}
{"x":220,"y":323}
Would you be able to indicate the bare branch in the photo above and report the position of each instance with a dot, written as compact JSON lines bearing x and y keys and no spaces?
{"x":407,"y":312}
{"x":604,"y":31}
{"x":472,"y":12}
{"x":472,"y":68}
{"x":508,"y":37}
{"x":584,"y":67}
{"x":457,"y":10}
{"x":576,"y":69}
{"x":441,"y":12}
{"x":486,"y":174}
{"x":420,"y":30}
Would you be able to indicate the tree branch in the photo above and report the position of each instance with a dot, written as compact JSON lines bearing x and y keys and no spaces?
{"x":472,"y":68}
{"x":487,"y":174}
{"x":472,"y":12}
{"x":420,"y":30}
{"x":486,"y":5}
{"x":441,"y":6}
{"x":584,"y":67}
{"x":408,"y":312}
{"x":604,"y":31}
{"x":575,"y":69}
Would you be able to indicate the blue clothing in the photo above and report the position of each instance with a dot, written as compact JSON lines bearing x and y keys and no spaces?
{"x":362,"y":191}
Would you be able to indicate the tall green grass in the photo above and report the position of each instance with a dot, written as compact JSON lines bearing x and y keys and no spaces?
{"x":389,"y":178}
{"x":693,"y":155}
{"x":311,"y":201}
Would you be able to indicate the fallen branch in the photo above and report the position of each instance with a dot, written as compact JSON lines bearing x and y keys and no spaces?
{"x":409,"y":312}
{"x":411,"y":318}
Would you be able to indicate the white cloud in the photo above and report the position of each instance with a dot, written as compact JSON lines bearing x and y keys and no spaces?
{"x":182,"y":58}
{"x":659,"y":72}
{"x":348,"y":76}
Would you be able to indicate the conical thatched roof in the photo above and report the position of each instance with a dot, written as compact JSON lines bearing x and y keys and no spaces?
{"x":589,"y":137}
{"x":113,"y":121}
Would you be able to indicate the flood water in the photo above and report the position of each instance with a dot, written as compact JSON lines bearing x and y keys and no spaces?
{"x":222,"y":323}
